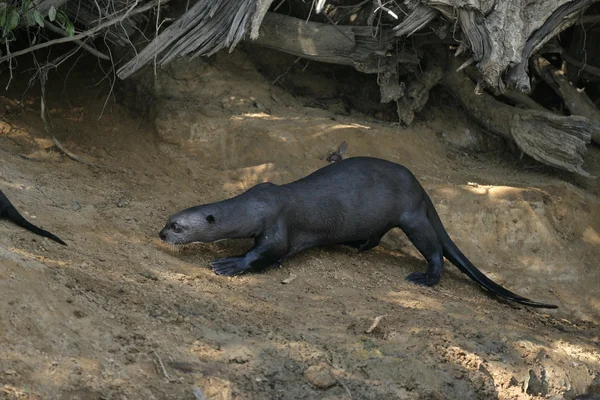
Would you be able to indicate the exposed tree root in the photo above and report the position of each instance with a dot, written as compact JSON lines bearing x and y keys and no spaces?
{"x":559,"y":141}
{"x":576,"y":101}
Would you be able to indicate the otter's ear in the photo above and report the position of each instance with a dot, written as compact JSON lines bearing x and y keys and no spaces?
{"x":210,"y":219}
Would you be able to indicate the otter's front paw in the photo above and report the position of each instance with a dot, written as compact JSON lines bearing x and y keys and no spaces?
{"x":230,"y":266}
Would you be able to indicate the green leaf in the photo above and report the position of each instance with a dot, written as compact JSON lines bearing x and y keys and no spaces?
{"x":13,"y":19}
{"x":25,"y":7}
{"x":70,"y":29}
{"x":3,"y":17}
{"x":37,"y":16}
{"x":52,"y":13}
{"x":61,"y":18}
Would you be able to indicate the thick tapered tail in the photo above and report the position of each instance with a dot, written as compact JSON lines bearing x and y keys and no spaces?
{"x":10,"y":212}
{"x":456,"y":257}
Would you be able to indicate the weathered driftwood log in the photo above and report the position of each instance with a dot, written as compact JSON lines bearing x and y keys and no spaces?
{"x":554,"y":140}
{"x":344,"y":45}
{"x":576,"y":101}
{"x":500,"y":33}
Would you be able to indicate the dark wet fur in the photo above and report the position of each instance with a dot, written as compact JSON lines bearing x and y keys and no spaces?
{"x":353,"y":202}
{"x":8,"y":211}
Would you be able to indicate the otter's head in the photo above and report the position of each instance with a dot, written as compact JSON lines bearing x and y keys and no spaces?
{"x":196,"y":224}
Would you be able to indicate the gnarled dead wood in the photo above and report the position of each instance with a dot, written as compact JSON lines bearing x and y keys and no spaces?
{"x":419,"y":17}
{"x":554,"y":140}
{"x":417,"y":93}
{"x":593,"y":73}
{"x":504,"y":33}
{"x":576,"y":101}
{"x":562,"y":18}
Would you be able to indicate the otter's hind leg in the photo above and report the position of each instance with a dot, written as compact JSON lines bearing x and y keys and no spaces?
{"x":422,"y":235}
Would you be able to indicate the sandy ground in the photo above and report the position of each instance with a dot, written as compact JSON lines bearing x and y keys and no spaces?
{"x":119,"y":315}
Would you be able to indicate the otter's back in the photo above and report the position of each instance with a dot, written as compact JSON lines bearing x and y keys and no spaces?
{"x":352,"y":199}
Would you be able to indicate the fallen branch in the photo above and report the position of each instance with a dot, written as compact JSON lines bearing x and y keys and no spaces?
{"x":51,"y":27}
{"x":554,"y":140}
{"x":576,"y":101}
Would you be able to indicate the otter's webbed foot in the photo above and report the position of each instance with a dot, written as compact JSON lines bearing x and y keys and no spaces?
{"x":230,"y":266}
{"x":423,"y":279}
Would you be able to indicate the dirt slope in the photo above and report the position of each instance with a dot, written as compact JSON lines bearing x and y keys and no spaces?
{"x":117,"y":314}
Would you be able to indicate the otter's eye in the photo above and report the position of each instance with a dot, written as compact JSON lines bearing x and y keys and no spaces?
{"x":175,"y":227}
{"x":210,"y":219}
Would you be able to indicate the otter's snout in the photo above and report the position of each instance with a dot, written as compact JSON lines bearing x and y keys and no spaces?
{"x":162,"y":235}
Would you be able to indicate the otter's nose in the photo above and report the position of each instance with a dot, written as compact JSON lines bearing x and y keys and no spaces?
{"x":162,"y":235}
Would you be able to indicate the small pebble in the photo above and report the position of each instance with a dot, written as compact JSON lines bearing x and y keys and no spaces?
{"x":320,"y":376}
{"x":149,"y":275}
{"x":289,"y":279}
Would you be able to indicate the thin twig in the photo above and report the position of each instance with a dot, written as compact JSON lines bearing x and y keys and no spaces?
{"x":112,"y":85}
{"x":73,"y":156}
{"x":583,"y":45}
{"x":345,"y":387}
{"x":387,"y":10}
{"x":162,"y":367}
{"x":156,"y":29}
{"x":9,"y":65}
{"x":286,"y":71}
{"x":129,"y":13}
{"x":278,"y":5}
{"x":375,"y":323}
{"x":43,"y":76}
{"x":338,"y":28}
{"x":358,"y":5}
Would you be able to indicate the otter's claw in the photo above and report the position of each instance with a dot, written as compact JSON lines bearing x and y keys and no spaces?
{"x":230,"y":266}
{"x":422,"y":279}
